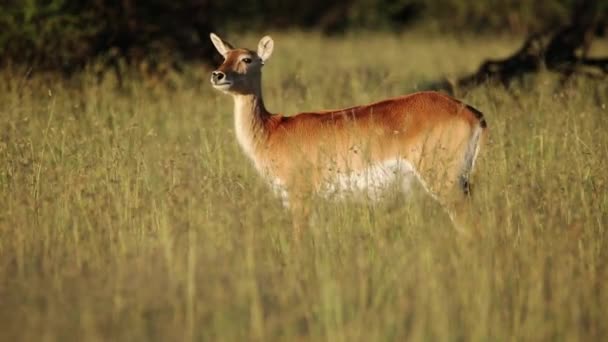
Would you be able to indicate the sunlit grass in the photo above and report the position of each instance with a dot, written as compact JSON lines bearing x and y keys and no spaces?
{"x":132,"y":214}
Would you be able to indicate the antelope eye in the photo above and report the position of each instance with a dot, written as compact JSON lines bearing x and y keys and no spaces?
{"x":247,"y":60}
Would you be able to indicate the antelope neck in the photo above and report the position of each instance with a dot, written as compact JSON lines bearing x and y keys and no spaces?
{"x":250,"y":117}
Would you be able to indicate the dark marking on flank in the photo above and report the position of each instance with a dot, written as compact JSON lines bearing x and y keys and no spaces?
{"x":483,"y":123}
{"x":465,"y":185}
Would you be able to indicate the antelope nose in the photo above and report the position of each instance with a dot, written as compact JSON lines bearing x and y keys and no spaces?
{"x":217,"y":76}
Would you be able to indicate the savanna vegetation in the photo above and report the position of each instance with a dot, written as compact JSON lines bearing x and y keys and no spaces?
{"x":157,"y":35}
{"x":130,"y":213}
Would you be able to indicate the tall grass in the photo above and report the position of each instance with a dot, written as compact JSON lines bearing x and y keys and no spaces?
{"x":131,"y":214}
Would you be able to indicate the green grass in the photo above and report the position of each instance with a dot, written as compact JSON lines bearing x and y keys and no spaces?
{"x":133,"y":215}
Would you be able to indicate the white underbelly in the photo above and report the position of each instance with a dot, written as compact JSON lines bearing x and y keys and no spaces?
{"x":371,"y":183}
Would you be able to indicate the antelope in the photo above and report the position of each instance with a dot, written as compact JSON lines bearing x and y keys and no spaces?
{"x":425,"y":137}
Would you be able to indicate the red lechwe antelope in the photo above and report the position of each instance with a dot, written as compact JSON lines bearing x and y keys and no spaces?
{"x":427,"y":137}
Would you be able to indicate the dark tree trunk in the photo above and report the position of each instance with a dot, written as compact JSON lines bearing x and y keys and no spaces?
{"x":563,"y":51}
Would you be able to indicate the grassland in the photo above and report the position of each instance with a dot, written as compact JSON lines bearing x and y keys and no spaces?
{"x":131,"y":214}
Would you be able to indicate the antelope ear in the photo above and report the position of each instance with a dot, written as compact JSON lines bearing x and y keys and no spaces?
{"x":222,"y":46}
{"x":265,"y":47}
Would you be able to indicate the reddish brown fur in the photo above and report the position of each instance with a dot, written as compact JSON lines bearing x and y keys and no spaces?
{"x":411,"y":127}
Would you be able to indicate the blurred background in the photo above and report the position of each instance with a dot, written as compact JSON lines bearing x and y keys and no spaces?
{"x":66,"y":35}
{"x":130,"y":213}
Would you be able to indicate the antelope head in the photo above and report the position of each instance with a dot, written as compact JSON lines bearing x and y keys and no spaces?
{"x":241,"y":72}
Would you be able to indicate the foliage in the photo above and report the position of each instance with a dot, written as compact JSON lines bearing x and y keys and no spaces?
{"x":44,"y":32}
{"x":68,"y":34}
